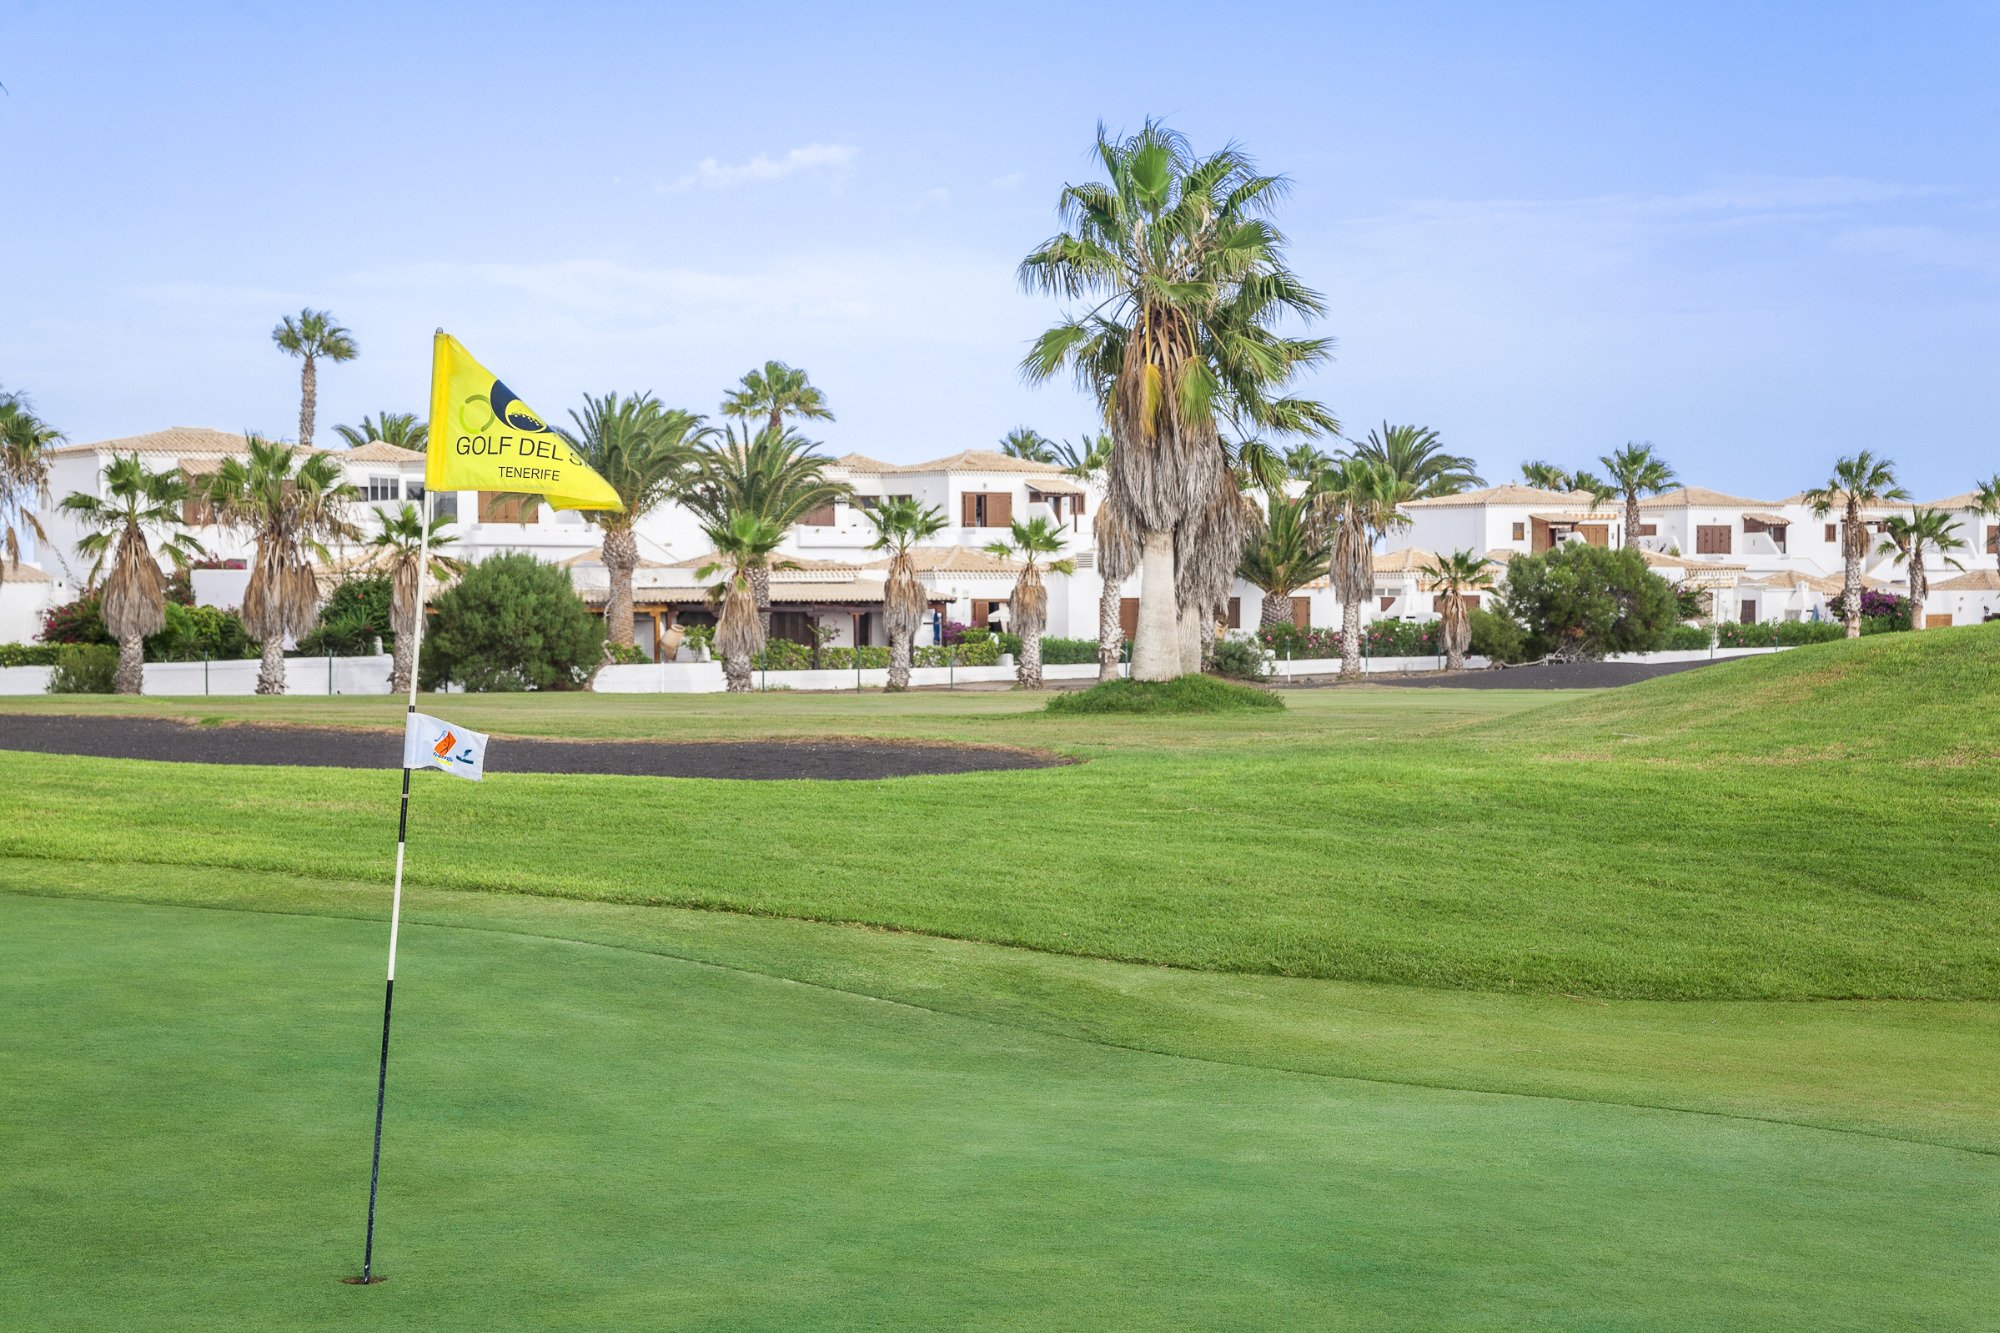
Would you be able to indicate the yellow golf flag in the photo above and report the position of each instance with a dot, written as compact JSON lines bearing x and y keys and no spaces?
{"x":483,"y":438}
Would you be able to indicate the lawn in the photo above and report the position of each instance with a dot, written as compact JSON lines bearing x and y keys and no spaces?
{"x":1655,"y":1008}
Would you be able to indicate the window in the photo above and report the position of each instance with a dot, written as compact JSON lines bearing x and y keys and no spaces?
{"x":497,"y":508}
{"x":382,"y":488}
{"x":413,"y":491}
{"x":821,"y":517}
{"x":446,"y":505}
{"x":1993,"y":539}
{"x":1712,"y":539}
{"x":1833,"y":532}
{"x":986,"y":509}
{"x":1647,"y":530}
{"x":1520,"y":533}
{"x":1236,"y":613}
{"x":1749,"y":611}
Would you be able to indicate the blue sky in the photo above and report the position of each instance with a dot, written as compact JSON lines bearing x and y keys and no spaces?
{"x":1759,"y":235}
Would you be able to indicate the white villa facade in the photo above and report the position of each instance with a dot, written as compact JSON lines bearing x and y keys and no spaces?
{"x":1761,"y":560}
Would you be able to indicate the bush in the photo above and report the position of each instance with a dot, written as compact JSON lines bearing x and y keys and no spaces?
{"x":626,"y":654}
{"x":84,"y":668}
{"x":29,"y":654}
{"x":196,"y":632}
{"x":1779,"y":634}
{"x":1183,"y":694}
{"x":1685,"y":639}
{"x":512,"y":623}
{"x":1288,"y":640}
{"x":1496,"y":636}
{"x":1240,"y":659}
{"x":352,"y":618}
{"x":1069,"y":652}
{"x":79,"y":621}
{"x":785,"y":655}
{"x":1396,"y":637}
{"x":1892,"y":612}
{"x":1583,"y":601}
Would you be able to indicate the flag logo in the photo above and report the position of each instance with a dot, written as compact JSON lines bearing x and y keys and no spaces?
{"x":432,"y":742}
{"x":513,"y":411}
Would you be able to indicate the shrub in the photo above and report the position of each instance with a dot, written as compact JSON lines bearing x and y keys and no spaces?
{"x":1582,"y":601}
{"x":1286,"y":639}
{"x":1183,"y":694}
{"x":1396,"y":637}
{"x":352,"y":618}
{"x":1069,"y":652}
{"x":29,"y":654}
{"x":84,"y":668}
{"x":1685,"y":638}
{"x":1240,"y":659}
{"x":79,"y":621}
{"x":196,"y":632}
{"x":626,"y":654}
{"x":1891,"y":611}
{"x":512,"y":623}
{"x":1496,"y":636}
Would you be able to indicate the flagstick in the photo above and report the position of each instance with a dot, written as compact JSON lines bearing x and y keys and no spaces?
{"x":396,"y":901}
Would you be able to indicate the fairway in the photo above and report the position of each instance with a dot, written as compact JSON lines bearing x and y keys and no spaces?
{"x":1479,"y":1009}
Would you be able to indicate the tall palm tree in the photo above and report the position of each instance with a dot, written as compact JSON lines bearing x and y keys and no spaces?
{"x":1029,"y":443}
{"x":776,"y":392}
{"x":1288,"y":551}
{"x":1417,"y":455}
{"x":646,"y":453}
{"x":1856,"y":483}
{"x":134,"y":602}
{"x":311,"y":335}
{"x":1358,"y":501}
{"x":1029,"y":605}
{"x":398,"y":552}
{"x":1305,"y":460}
{"x":1636,"y":470}
{"x":1924,"y":531}
{"x":291,"y":507}
{"x":1085,"y":458}
{"x":1986,"y":502}
{"x":405,"y":430}
{"x":24,"y":473}
{"x":1189,"y":286}
{"x":1115,"y":556}
{"x":900,"y":524}
{"x":744,"y":544}
{"x":1600,"y":490}
{"x":1457,"y":578}
{"x":773,"y":474}
{"x":1547,"y":476}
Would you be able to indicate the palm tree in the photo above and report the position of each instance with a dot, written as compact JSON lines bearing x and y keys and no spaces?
{"x":773,"y":475}
{"x":744,"y":544}
{"x":134,"y":602}
{"x":647,"y":453}
{"x":1986,"y":502}
{"x":1417,"y":455}
{"x":1190,"y":285}
{"x":312,"y":335}
{"x":901,"y":524}
{"x":1857,"y":483}
{"x":1599,"y":489}
{"x":1029,"y":443}
{"x":1288,"y":551}
{"x":1116,"y":557}
{"x":405,"y":430}
{"x":776,"y":392}
{"x":1305,"y":460}
{"x":1457,"y":578}
{"x":1636,"y":470}
{"x":1924,"y":530}
{"x":398,"y":552}
{"x":24,"y":473}
{"x":291,"y":506}
{"x":1029,"y":542}
{"x":1085,"y":458}
{"x":1358,"y":500}
{"x":1547,"y":476}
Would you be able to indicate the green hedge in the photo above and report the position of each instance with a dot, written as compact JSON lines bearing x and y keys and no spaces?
{"x":84,"y":668}
{"x":1779,"y":633}
{"x":785,"y":655}
{"x":1686,"y":639}
{"x":29,"y":654}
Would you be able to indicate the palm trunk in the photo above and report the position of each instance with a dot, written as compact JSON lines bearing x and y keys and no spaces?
{"x":131,"y":678}
{"x":271,"y":672}
{"x":1455,"y":630}
{"x":736,"y":670}
{"x":901,"y":648}
{"x":760,"y":587}
{"x":1110,"y":631}
{"x":1920,"y":587}
{"x":1851,"y":592}
{"x":1156,"y":651}
{"x":1350,"y":637}
{"x":1029,"y":673}
{"x":1277,"y":609}
{"x":308,"y":402}
{"x":621,"y":556}
{"x":400,"y":664}
{"x":1632,"y":522}
{"x":1194,"y":629}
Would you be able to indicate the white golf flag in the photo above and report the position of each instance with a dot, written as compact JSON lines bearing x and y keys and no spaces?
{"x":435,"y":743}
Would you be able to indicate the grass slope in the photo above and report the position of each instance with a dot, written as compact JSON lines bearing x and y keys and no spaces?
{"x":597,"y":1137}
{"x":1648,"y":844}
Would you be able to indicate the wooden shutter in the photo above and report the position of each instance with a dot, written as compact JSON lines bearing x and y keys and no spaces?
{"x":1236,"y":613}
{"x":1749,"y":612}
{"x":1076,"y":504}
{"x":494,"y":507}
{"x":1993,"y":539}
{"x":1128,"y":617}
{"x":1302,"y":612}
{"x":1833,"y":532}
{"x":1938,"y":620}
{"x":1597,"y":534}
{"x":967,"y":513}
{"x":999,"y":509}
{"x":821,"y":517}
{"x":1711,"y":539}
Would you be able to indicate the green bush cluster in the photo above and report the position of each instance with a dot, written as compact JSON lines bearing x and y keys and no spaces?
{"x":1779,"y":633}
{"x":512,"y":623}
{"x":352,"y":618}
{"x":1183,"y":694}
{"x":1239,"y":659}
{"x":1685,"y":639}
{"x":84,"y":668}
{"x":785,"y":655}
{"x":29,"y":654}
{"x":626,"y":654}
{"x":1580,"y":600}
{"x":196,"y":633}
{"x":1496,"y":636}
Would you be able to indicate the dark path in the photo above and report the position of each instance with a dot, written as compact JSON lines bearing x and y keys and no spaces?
{"x":329,"y":747}
{"x":1570,"y":676}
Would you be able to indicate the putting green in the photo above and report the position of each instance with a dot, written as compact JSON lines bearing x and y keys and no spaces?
{"x":599,"y":1137}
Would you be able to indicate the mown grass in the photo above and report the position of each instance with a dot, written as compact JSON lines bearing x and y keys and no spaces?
{"x":1673,"y":840}
{"x":607,"y":1137}
{"x":1180,"y":696}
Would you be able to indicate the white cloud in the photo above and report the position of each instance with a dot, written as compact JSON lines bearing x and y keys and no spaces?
{"x":831,"y":158}
{"x":1009,"y":181}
